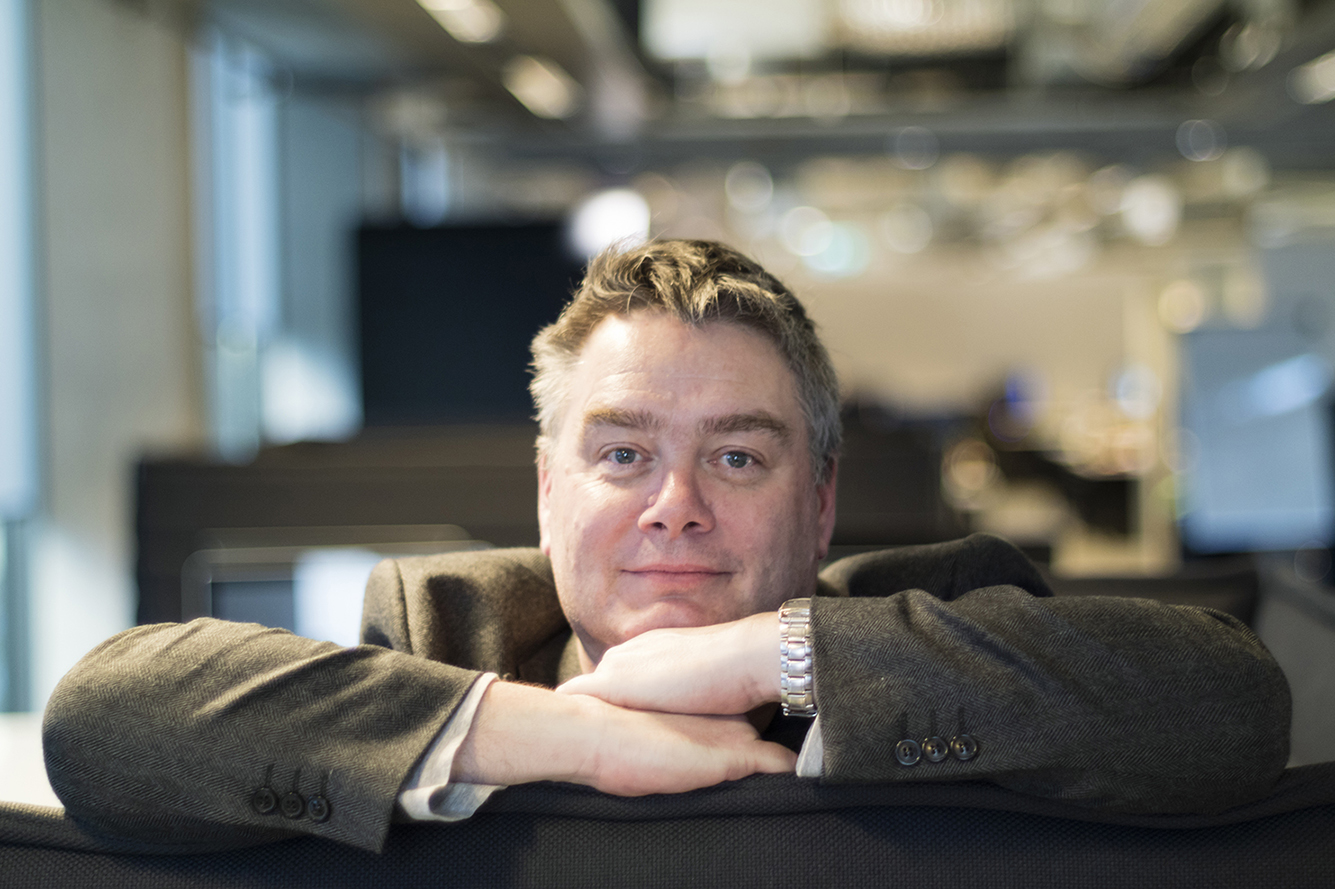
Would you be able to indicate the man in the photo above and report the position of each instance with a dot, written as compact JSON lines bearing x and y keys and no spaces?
{"x":687,"y":463}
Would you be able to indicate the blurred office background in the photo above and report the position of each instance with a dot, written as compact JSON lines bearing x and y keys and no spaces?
{"x":268,"y":269}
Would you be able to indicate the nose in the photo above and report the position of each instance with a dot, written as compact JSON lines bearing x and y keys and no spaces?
{"x":678,"y":507}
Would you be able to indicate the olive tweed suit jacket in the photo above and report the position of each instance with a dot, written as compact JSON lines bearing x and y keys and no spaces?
{"x":169,"y":736}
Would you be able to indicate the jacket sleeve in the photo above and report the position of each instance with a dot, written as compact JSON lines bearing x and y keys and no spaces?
{"x":213,"y":734}
{"x":1123,"y":704}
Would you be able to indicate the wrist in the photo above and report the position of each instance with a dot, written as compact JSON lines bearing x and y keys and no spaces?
{"x":760,"y":631}
{"x":522,"y":733}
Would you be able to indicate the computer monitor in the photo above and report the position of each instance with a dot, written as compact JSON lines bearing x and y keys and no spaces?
{"x":1257,"y":453}
{"x":447,"y":314}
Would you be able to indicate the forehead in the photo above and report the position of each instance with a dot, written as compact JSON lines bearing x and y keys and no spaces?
{"x":655,"y":362}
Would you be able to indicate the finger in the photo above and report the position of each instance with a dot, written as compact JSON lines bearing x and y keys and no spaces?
{"x":580,"y":685}
{"x":774,"y":759}
{"x":625,"y":690}
{"x":597,"y":685}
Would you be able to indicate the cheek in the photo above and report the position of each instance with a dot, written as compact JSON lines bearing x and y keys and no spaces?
{"x":784,"y":533}
{"x":588,"y":514}
{"x":754,"y":524}
{"x":776,"y":517}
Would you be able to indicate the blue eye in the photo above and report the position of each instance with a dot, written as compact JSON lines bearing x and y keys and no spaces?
{"x":624,"y":456}
{"x":738,"y":460}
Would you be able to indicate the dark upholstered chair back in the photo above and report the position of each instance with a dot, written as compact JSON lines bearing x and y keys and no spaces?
{"x":764,"y":831}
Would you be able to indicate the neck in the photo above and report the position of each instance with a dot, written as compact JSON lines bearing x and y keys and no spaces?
{"x":586,"y":663}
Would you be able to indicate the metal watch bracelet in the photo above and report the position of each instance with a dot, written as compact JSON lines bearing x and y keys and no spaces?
{"x":796,"y":685}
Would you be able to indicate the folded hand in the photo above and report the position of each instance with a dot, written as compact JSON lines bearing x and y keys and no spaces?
{"x":722,"y":669}
{"x":522,"y":734}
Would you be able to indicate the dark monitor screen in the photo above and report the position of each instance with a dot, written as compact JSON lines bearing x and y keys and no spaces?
{"x":447,"y":314}
{"x":267,"y":602}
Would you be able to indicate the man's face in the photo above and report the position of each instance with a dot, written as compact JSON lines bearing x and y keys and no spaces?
{"x":679,"y":490}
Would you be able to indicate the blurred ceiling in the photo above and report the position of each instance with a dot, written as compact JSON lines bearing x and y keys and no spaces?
{"x":638,"y":82}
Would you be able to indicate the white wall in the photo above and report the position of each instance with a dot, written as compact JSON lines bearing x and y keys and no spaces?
{"x":120,"y":357}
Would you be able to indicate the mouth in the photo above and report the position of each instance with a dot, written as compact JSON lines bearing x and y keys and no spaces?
{"x":673,"y":580}
{"x":682,"y":571}
{"x":672,"y":595}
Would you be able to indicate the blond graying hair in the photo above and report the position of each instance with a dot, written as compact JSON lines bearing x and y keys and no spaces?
{"x":698,"y":283}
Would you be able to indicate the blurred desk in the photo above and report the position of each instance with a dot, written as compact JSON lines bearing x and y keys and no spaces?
{"x":474,"y":482}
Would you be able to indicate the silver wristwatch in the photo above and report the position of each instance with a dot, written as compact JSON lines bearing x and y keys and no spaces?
{"x":796,"y":688}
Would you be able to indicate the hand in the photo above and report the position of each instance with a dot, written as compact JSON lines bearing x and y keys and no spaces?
{"x":640,"y":752}
{"x":722,"y":669}
{"x":522,"y":734}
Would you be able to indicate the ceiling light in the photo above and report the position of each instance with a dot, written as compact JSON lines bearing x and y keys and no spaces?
{"x":731,"y":30}
{"x":846,"y":255}
{"x":615,"y":216}
{"x":468,"y":21}
{"x":1201,"y":140}
{"x":1314,"y":82}
{"x":914,"y":148}
{"x":805,"y":231}
{"x":749,"y":187}
{"x":542,"y":86}
{"x":917,"y":27}
{"x":1252,"y":45}
{"x":1151,"y":209}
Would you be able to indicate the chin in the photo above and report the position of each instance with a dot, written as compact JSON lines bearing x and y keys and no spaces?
{"x":665,"y":614}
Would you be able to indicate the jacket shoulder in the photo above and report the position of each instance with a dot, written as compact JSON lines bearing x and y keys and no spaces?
{"x":481,"y":609}
{"x":946,"y":570}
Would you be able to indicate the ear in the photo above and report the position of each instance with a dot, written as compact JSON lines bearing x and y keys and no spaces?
{"x":825,"y":509}
{"x":544,"y":506}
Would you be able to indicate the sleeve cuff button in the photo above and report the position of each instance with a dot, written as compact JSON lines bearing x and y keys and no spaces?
{"x":263,"y":801}
{"x":293,"y":805}
{"x":964,"y":747}
{"x":908,"y":752}
{"x":318,"y":808}
{"x":935,"y":749}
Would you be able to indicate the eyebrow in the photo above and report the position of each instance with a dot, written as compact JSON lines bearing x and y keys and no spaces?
{"x":760,"y":421}
{"x":615,"y":416}
{"x":757,"y":422}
